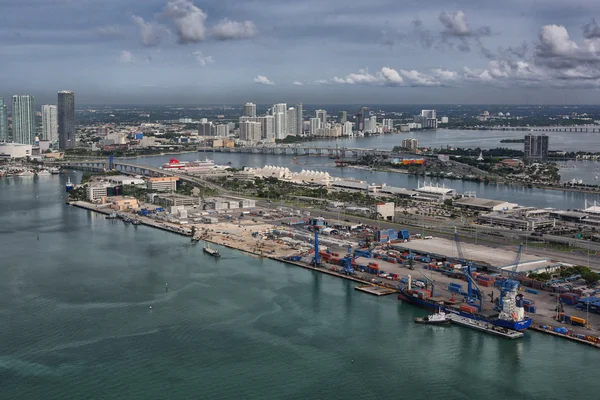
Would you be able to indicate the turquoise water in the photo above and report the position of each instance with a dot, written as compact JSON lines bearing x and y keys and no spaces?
{"x":76,"y":323}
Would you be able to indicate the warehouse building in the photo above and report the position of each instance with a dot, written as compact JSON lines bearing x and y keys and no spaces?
{"x":163,"y":183}
{"x":174,"y":200}
{"x":515,"y":222}
{"x":484,"y":204}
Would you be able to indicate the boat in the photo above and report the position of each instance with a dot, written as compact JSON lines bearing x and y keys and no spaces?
{"x":112,"y":215}
{"x":512,"y":316}
{"x":69,"y":186}
{"x":485,"y":327}
{"x":43,"y":172}
{"x":211,"y":252}
{"x":26,"y":173}
{"x":198,"y":165}
{"x":54,"y":171}
{"x":439,"y":318}
{"x":136,"y":222}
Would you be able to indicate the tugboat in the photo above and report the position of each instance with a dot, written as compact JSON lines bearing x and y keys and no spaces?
{"x":439,"y":318}
{"x":69,"y":186}
{"x":211,"y":252}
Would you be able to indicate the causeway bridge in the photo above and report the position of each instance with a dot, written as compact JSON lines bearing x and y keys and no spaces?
{"x":299,"y":151}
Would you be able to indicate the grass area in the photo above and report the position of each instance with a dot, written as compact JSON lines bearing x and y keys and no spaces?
{"x":559,"y":247}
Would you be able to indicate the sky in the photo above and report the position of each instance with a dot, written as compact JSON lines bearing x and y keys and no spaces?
{"x":310,"y":51}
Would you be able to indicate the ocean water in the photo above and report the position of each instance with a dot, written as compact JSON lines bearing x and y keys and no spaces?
{"x":76,"y":323}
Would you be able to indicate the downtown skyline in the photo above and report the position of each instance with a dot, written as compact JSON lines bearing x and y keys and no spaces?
{"x":384,"y":52}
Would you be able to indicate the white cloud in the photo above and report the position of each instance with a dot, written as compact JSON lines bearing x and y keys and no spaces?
{"x":189,"y":20}
{"x":263,"y":80}
{"x":555,"y":42}
{"x":227,"y":30}
{"x":385,"y":77}
{"x":417,"y":78}
{"x":126,"y":57}
{"x":444,"y":74}
{"x":151,"y":34}
{"x":297,"y":83}
{"x":321,"y":82}
{"x":201,"y":59}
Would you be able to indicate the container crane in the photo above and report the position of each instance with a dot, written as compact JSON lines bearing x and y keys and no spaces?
{"x":316,"y":259}
{"x":472,"y":297}
{"x":511,"y":285}
{"x":348,"y":270}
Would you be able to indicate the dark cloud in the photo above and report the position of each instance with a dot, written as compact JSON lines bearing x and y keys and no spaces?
{"x":591,"y":30}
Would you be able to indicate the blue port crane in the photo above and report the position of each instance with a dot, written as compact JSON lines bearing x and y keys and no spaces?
{"x":348,"y":270}
{"x":511,"y":284}
{"x":472,"y":296}
{"x":316,"y":258}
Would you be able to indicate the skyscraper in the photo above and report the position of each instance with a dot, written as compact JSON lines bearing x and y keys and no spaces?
{"x":315,"y":125}
{"x":23,"y":117}
{"x":280,"y":132}
{"x":299,"y":120}
{"x":3,"y":121}
{"x":536,"y":146}
{"x":49,"y":123}
{"x":322,"y":115}
{"x":66,"y":119}
{"x":343,"y":117}
{"x":291,"y":117}
{"x":250,"y":131}
{"x":267,"y":128}
{"x":427,"y":119}
{"x":250,"y":110}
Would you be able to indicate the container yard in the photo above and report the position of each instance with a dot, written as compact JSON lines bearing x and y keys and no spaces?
{"x":562,"y":307}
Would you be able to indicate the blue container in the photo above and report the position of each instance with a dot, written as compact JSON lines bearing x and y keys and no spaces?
{"x":532,"y":309}
{"x":532,"y":291}
{"x":458,"y":285}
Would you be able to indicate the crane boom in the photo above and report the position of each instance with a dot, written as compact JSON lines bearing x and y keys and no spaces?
{"x":513,"y":272}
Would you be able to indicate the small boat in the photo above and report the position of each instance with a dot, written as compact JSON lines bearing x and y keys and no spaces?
{"x":43,"y":172}
{"x":438,"y":318}
{"x":112,"y":216}
{"x":211,"y":252}
{"x":25,"y":173}
{"x":54,"y":171}
{"x":136,"y":222}
{"x":69,"y":186}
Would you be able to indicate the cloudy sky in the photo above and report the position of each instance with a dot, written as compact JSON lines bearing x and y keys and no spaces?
{"x":311,"y":51}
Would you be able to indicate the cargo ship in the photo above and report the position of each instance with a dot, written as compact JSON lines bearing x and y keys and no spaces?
{"x":511,"y":316}
{"x":211,"y":252}
{"x":198,"y":165}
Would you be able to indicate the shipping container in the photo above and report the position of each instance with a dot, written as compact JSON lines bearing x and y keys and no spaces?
{"x":468,"y":309}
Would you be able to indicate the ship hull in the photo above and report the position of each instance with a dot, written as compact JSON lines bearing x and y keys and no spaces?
{"x":434,"y":306}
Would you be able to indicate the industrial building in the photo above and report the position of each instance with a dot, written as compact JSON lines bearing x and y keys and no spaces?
{"x":15,"y":150}
{"x":484,"y":204}
{"x":172,"y":199}
{"x":96,"y":191}
{"x":515,"y":221}
{"x":163,"y":184}
{"x":386,"y":210}
{"x":125,"y":180}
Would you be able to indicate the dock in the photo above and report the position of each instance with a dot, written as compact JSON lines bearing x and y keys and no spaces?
{"x":375,"y":290}
{"x":485,"y":327}
{"x":569,"y":337}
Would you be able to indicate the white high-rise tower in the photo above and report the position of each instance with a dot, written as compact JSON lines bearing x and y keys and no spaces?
{"x":49,"y":123}
{"x":23,"y":119}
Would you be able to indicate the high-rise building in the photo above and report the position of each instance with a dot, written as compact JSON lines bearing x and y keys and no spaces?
{"x":536,"y":146}
{"x":66,"y":119}
{"x":280,"y":132}
{"x":410,"y":144}
{"x":343,"y":117}
{"x":207,"y":129}
{"x":315,"y":125}
{"x":251,"y":131}
{"x":347,"y":128}
{"x":3,"y":121}
{"x":322,"y":115}
{"x":49,"y":123}
{"x":250,"y":110}
{"x":291,"y":117}
{"x":299,"y":120}
{"x":388,"y":125}
{"x":267,"y":128}
{"x":373,"y":124}
{"x":427,"y":119}
{"x":222,"y":130}
{"x":23,"y":119}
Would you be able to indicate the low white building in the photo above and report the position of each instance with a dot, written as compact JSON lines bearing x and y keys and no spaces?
{"x":15,"y":150}
{"x":386,"y":210}
{"x":125,"y":180}
{"x":95,"y":192}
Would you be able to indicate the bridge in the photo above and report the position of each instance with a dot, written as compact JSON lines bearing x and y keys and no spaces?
{"x":338,"y":152}
{"x":574,"y":129}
